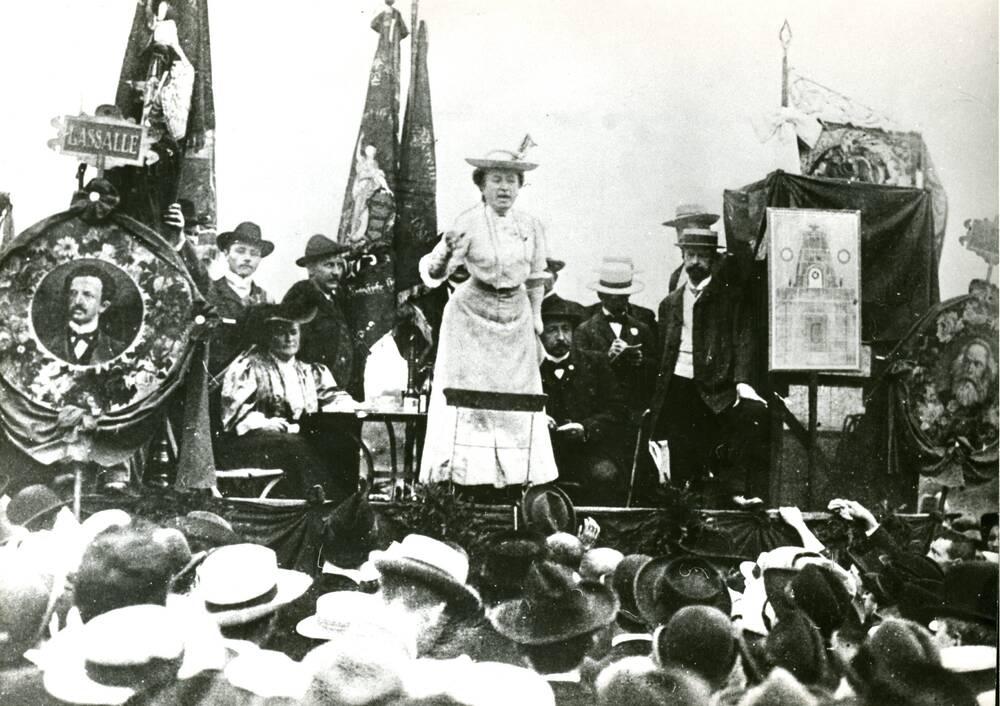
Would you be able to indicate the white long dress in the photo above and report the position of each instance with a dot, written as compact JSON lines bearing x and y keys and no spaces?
{"x":488,"y":343}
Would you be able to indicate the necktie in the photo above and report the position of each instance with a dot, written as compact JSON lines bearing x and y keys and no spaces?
{"x":80,"y":342}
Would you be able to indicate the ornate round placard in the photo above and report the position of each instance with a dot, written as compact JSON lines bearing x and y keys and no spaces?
{"x":93,"y":317}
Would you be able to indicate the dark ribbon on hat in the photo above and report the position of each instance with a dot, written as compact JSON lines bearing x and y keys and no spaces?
{"x":615,"y":285}
{"x":154,"y":672}
{"x":93,"y":210}
{"x":262,"y":599}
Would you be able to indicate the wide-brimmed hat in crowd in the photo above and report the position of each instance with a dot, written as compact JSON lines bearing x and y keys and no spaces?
{"x":507,"y":556}
{"x":555,"y":607}
{"x":350,"y":532}
{"x":616,"y":275}
{"x":242,"y":582}
{"x":968,"y":592}
{"x":624,"y":584}
{"x":547,"y":508}
{"x":247,"y":232}
{"x":599,"y":563}
{"x":814,"y":589}
{"x":33,"y":504}
{"x":501,"y":159}
{"x":553,"y":265}
{"x":320,"y":247}
{"x":429,"y":562}
{"x":698,"y":638}
{"x":24,"y":603}
{"x":666,"y":584}
{"x":692,"y":215}
{"x":204,"y":530}
{"x":796,"y":644}
{"x":343,"y":613}
{"x":109,"y":658}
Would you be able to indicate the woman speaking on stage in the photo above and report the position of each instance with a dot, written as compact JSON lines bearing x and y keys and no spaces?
{"x":489,"y":337}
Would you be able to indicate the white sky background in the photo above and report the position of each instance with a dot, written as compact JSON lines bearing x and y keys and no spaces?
{"x":636,"y":106}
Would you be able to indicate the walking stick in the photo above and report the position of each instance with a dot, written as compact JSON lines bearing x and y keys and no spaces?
{"x":635,"y":455}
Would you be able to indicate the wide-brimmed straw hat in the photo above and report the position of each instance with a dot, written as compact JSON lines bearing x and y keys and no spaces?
{"x":110,"y":657}
{"x":501,"y":159}
{"x":247,"y":232}
{"x":319,"y":247}
{"x":341,"y":611}
{"x":616,"y":276}
{"x":242,"y":582}
{"x":692,"y":215}
{"x":442,"y":568}
{"x":32,"y":503}
{"x":555,"y":607}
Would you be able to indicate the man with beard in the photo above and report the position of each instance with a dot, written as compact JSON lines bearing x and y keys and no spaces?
{"x":973,"y":374}
{"x":89,"y":292}
{"x":703,"y":403}
{"x":586,"y":412}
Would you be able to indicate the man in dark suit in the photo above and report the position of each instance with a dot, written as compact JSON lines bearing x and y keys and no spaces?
{"x":236,"y":290}
{"x":89,"y":290}
{"x":703,"y":404}
{"x":328,"y":339}
{"x":627,"y":343}
{"x":551,"y":299}
{"x":586,"y":412}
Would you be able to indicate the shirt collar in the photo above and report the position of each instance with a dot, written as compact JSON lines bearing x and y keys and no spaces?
{"x":353,"y":574}
{"x":700,"y":287}
{"x":85,"y":328}
{"x":238,"y":282}
{"x":553,"y":359}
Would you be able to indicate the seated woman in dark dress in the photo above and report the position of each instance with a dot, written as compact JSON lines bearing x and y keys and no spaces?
{"x":265,"y":392}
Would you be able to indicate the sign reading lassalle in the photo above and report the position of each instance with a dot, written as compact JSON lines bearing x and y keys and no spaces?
{"x":113,"y":141}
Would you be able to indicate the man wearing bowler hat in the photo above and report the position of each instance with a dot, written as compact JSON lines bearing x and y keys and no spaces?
{"x":586,"y":411}
{"x":327,"y":338}
{"x":553,"y":267}
{"x":703,"y":405}
{"x":236,"y":290}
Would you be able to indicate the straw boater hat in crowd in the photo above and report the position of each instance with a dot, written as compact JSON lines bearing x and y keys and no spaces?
{"x":242,"y":582}
{"x":319,"y":247}
{"x":700,"y":238}
{"x":616,"y":277}
{"x":433,"y":564}
{"x":248,"y":233}
{"x":112,"y":656}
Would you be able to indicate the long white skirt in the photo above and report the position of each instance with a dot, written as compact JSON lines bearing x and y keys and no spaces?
{"x":487,"y":343}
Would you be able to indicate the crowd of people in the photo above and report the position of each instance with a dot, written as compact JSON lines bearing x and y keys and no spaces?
{"x":118,"y":609}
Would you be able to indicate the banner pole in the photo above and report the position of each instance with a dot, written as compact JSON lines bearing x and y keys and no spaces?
{"x":785,"y":37}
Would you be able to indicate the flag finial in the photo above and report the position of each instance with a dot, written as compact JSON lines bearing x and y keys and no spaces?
{"x":784,"y":34}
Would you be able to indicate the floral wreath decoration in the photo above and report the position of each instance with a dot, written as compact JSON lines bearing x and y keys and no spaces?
{"x":52,"y":408}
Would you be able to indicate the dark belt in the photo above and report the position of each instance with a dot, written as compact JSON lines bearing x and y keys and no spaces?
{"x":487,"y":287}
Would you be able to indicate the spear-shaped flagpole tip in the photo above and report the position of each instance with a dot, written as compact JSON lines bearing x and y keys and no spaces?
{"x":784,"y":34}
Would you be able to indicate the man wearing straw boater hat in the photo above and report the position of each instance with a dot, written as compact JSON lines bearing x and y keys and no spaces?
{"x":703,"y":405}
{"x":613,"y":332}
{"x":688,"y":215}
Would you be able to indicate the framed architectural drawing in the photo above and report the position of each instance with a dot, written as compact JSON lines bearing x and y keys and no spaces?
{"x":814,"y":287}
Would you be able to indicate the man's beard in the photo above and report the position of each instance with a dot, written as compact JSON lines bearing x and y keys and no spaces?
{"x":696,"y":273}
{"x":967,"y":392}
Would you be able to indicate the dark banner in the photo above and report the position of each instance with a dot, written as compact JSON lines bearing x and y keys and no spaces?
{"x":899,"y":256}
{"x":166,"y":85}
{"x":369,"y":213}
